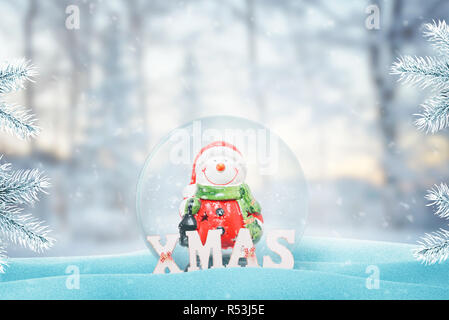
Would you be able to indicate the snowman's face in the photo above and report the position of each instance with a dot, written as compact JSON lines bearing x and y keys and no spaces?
{"x":221,"y":170}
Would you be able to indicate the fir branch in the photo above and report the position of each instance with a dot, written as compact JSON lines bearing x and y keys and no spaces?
{"x":4,"y":170}
{"x":14,"y":74}
{"x":435,"y":116}
{"x":24,"y":229}
{"x":438,"y":34}
{"x":425,"y":72}
{"x":434,"y":73}
{"x":3,"y":258}
{"x":16,"y":120}
{"x":433,"y":247}
{"x":439,"y":195}
{"x":22,"y":187}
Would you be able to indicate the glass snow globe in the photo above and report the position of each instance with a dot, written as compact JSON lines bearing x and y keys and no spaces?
{"x":223,"y":173}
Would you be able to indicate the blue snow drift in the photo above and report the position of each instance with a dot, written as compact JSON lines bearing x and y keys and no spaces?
{"x":324,"y":269}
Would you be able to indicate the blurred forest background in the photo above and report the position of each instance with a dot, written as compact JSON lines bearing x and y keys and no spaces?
{"x":310,"y":70}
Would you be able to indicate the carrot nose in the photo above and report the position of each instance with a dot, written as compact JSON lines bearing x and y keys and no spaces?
{"x":221,"y":167}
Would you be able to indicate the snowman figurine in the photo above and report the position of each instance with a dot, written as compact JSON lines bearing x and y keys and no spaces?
{"x":218,"y":198}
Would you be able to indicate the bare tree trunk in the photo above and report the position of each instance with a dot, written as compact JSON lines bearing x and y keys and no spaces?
{"x":71,"y":40}
{"x":75,"y":87}
{"x":86,"y":42}
{"x":251,"y":27}
{"x":28,"y":34}
{"x":382,"y":49}
{"x":137,"y":34}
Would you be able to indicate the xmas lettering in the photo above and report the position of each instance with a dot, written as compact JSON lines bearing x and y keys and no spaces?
{"x":219,"y":211}
{"x":243,"y":248}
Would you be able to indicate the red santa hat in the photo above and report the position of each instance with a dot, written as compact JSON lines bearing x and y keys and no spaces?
{"x":212,"y":149}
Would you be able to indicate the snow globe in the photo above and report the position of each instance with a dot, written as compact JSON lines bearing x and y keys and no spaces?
{"x":222,"y":173}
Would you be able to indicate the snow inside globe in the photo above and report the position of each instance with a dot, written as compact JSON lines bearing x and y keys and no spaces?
{"x":222,"y":173}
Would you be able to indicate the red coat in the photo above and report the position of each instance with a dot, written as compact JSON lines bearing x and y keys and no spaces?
{"x":221,"y":214}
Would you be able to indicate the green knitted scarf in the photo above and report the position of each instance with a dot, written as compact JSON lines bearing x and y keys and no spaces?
{"x":241,"y":193}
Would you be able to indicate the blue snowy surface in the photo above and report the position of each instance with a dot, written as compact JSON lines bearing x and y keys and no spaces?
{"x":325,"y":269}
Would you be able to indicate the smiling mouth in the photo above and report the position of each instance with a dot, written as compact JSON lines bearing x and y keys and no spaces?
{"x":221,"y":184}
